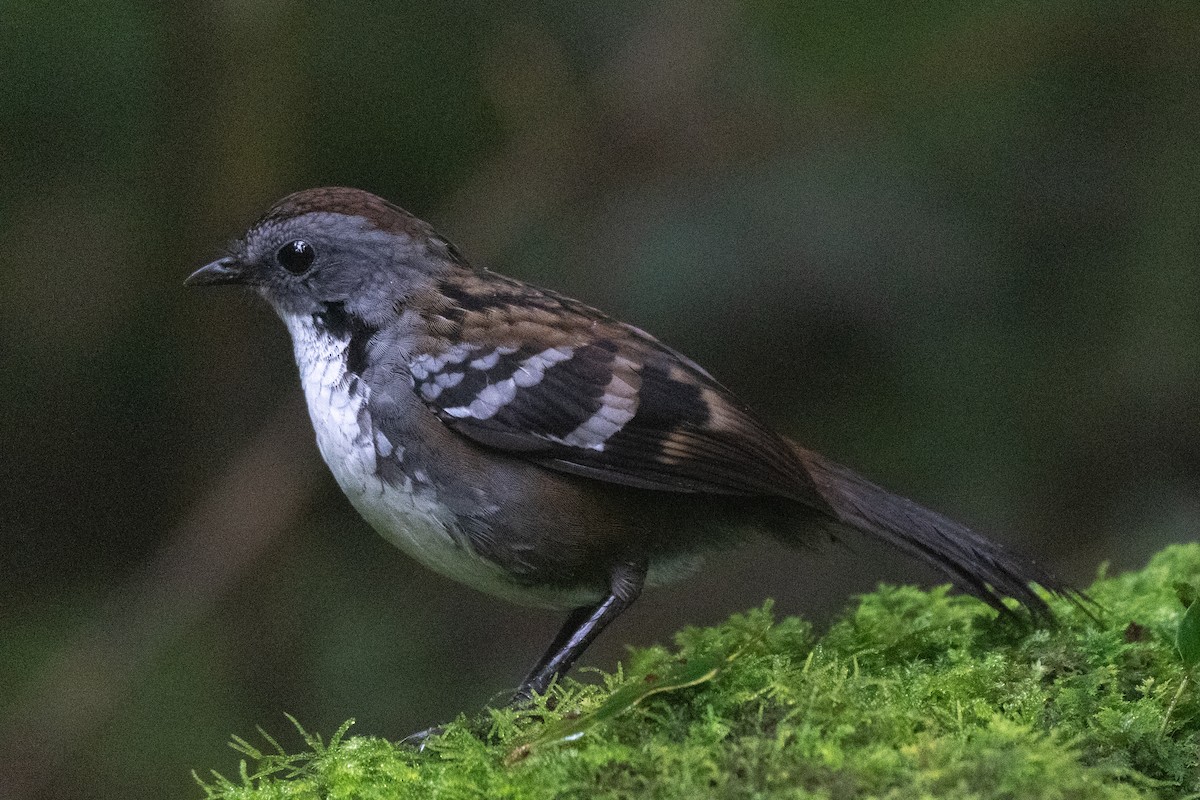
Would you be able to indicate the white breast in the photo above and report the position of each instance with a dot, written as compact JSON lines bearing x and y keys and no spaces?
{"x":408,"y":515}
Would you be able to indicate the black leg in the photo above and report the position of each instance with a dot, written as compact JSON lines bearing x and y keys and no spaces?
{"x":582,"y":627}
{"x":574,"y":620}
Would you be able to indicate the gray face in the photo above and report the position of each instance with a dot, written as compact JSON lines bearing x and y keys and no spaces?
{"x":303,"y":264}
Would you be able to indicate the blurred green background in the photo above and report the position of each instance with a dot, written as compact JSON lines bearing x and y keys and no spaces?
{"x":954,"y":247}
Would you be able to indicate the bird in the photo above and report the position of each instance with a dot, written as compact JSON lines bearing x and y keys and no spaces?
{"x":537,"y":449}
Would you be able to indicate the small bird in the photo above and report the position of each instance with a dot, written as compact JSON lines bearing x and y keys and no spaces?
{"x":529,"y":445}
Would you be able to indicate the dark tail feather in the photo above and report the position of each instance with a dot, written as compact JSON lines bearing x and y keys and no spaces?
{"x":973,"y":563}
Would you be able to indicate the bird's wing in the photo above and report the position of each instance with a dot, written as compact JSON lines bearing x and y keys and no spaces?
{"x":556,"y":382}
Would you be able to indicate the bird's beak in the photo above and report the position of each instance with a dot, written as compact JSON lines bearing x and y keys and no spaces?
{"x":222,"y":271}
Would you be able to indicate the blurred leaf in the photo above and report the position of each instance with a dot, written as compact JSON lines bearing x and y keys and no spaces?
{"x":688,"y":673}
{"x":1187,"y":638}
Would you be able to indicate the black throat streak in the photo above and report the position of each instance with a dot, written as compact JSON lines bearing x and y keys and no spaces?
{"x":341,"y":324}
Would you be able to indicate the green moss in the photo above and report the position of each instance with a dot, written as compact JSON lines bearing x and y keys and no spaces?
{"x":914,"y":694}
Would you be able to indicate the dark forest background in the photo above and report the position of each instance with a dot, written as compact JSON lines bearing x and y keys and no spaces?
{"x":954,"y":247}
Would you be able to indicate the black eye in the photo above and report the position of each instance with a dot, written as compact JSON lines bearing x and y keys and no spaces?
{"x":296,"y":257}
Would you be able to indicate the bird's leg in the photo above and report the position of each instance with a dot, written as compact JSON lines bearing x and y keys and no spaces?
{"x":574,"y":621}
{"x":583,"y":625}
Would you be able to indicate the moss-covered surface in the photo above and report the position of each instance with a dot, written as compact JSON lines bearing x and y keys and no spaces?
{"x":913,"y":694}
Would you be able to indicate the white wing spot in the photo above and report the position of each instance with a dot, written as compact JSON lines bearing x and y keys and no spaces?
{"x":492,"y":399}
{"x":486,"y":362}
{"x":533,"y":369}
{"x":618,"y":405}
{"x":497,"y":395}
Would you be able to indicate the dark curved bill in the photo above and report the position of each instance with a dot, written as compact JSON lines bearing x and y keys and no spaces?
{"x":222,"y":271}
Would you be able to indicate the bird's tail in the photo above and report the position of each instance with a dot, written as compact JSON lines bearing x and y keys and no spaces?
{"x":972,"y":562}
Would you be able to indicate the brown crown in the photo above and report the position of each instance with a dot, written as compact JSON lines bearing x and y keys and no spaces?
{"x":351,"y":202}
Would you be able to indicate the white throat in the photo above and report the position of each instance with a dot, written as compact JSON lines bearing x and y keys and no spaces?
{"x":337,"y":404}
